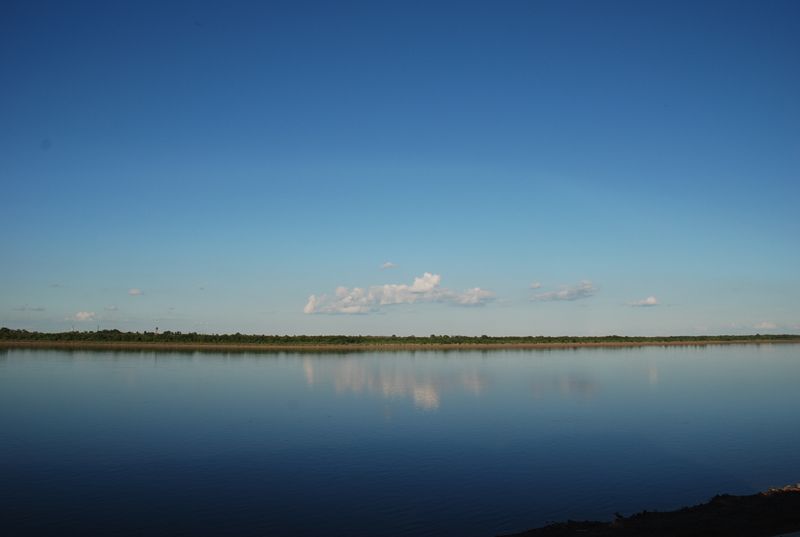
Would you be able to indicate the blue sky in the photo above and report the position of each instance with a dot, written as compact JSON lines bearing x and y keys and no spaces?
{"x":521,"y":167}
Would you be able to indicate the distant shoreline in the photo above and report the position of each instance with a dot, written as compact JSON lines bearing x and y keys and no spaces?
{"x":365,"y":347}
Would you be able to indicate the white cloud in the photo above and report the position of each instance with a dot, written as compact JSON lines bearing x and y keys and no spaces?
{"x":111,"y":308}
{"x":425,"y":288}
{"x":584,"y":289}
{"x":311,"y":305}
{"x":473,"y":297}
{"x":387,"y":265}
{"x":84,"y":316}
{"x":765,"y":325}
{"x":134,"y":291}
{"x":536,"y":285}
{"x":646,"y":302}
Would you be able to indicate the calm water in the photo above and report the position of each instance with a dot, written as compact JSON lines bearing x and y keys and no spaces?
{"x":467,"y":443}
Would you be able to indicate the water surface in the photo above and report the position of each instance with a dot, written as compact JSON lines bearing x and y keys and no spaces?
{"x":402,"y":443}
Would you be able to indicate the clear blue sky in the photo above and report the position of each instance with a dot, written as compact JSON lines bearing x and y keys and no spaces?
{"x":520,"y":167}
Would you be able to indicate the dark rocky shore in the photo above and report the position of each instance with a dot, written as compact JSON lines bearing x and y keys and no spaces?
{"x":770,"y":513}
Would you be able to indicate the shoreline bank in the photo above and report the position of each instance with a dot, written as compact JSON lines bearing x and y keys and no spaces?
{"x":362,"y":347}
{"x":771,"y":513}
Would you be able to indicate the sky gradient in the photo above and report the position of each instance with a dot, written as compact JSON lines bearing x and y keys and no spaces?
{"x":582,"y":168}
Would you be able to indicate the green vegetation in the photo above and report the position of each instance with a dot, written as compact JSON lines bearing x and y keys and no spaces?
{"x":116,"y":336}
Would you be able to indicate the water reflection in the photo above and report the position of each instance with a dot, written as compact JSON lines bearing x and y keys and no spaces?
{"x":474,"y":382}
{"x":423,"y":387}
{"x":573,"y":385}
{"x":427,"y":386}
{"x":652,"y":373}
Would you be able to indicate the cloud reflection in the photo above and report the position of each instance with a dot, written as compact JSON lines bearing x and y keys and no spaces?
{"x":572,"y":385}
{"x":652,"y":374}
{"x":423,"y":387}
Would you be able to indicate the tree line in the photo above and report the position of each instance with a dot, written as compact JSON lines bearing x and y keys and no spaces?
{"x":8,"y":334}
